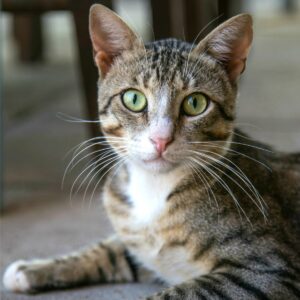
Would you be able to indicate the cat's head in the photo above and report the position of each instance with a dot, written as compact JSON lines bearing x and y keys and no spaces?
{"x":160,"y":103}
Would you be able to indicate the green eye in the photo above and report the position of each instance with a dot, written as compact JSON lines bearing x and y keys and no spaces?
{"x":134,"y":100}
{"x":194,"y":104}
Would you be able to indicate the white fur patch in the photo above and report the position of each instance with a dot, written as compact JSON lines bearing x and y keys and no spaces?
{"x":14,"y":279}
{"x":148,"y":192}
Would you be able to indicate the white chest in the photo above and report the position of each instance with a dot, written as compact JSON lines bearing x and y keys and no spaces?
{"x":148,"y":193}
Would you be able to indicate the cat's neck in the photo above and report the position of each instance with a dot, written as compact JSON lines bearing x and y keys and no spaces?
{"x":148,"y":191}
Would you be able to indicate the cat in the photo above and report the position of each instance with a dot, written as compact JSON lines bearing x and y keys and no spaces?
{"x":194,"y":201}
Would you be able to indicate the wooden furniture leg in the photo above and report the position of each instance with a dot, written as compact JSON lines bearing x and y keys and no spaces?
{"x":89,"y":74}
{"x":188,"y":19}
{"x":182,"y":19}
{"x":27,"y":29}
{"x":162,"y":20}
{"x":198,"y":15}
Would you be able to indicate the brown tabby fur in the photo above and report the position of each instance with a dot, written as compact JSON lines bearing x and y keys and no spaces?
{"x":224,"y":225}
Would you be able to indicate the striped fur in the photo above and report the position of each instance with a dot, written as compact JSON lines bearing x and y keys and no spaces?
{"x":210,"y":220}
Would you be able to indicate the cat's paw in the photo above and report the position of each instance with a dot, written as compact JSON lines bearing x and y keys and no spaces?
{"x":15,"y":278}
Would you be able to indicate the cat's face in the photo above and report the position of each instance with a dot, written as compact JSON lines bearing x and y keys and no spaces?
{"x":160,"y":106}
{"x":160,"y":103}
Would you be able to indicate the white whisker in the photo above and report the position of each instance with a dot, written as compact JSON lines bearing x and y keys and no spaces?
{"x":236,"y":143}
{"x":103,"y":143}
{"x":210,"y":144}
{"x":120,"y":163}
{"x":242,"y":174}
{"x":194,"y":41}
{"x":71,"y":119}
{"x":206,"y":184}
{"x":103,"y":166}
{"x":81,"y":144}
{"x":110,"y":157}
{"x":70,"y":168}
{"x":204,"y":165}
{"x":245,"y":180}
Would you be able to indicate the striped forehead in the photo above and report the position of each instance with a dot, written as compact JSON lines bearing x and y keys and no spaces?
{"x":164,"y":64}
{"x":182,"y":71}
{"x":175,"y":66}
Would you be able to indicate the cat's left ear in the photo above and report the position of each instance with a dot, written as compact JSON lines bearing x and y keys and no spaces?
{"x":230,"y":44}
{"x":110,"y":37}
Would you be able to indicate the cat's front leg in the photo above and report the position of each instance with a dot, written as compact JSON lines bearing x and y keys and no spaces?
{"x":107,"y":261}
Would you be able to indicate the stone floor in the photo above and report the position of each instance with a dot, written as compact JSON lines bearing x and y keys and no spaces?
{"x":40,"y":220}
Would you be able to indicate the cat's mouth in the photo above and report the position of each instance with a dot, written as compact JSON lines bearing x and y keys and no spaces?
{"x":156,"y":160}
{"x":158,"y":164}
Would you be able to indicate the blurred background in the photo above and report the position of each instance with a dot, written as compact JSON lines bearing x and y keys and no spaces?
{"x":46,"y":69}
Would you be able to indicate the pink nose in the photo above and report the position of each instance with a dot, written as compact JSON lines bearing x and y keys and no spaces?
{"x":161,"y":144}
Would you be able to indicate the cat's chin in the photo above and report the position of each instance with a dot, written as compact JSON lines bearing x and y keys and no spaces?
{"x":157,"y":165}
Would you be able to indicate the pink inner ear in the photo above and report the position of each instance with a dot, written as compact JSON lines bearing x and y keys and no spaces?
{"x":103,"y":61}
{"x":229,"y":44}
{"x":235,"y":68}
{"x":110,"y":36}
{"x":239,"y":52}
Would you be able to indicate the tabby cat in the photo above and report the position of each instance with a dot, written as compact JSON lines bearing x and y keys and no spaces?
{"x":191,"y":198}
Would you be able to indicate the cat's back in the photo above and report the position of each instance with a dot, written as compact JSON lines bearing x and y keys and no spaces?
{"x":287,"y":181}
{"x":275,"y":174}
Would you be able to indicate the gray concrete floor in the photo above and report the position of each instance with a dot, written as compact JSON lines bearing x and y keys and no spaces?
{"x":40,"y":220}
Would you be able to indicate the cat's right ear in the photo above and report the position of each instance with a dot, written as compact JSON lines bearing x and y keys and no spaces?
{"x":110,"y":37}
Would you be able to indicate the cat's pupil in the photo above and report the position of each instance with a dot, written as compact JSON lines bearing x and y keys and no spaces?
{"x":195,"y":103}
{"x":134,"y":99}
